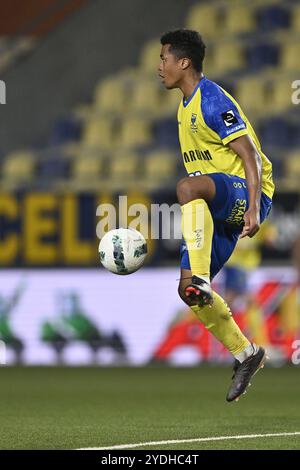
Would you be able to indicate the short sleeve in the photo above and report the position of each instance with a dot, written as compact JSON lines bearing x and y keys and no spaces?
{"x":221,"y":114}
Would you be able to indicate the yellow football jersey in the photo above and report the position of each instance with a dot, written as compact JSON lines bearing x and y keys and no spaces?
{"x":208,"y":120}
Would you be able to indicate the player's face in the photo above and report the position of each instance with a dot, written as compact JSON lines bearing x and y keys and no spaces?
{"x":169,"y":68}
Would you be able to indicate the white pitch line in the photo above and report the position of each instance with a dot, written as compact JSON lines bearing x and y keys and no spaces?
{"x":200,"y":439}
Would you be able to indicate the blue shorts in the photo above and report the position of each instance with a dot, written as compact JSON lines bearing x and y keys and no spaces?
{"x":227,"y":209}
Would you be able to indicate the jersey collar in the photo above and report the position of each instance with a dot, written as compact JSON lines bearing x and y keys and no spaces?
{"x":186,"y":102}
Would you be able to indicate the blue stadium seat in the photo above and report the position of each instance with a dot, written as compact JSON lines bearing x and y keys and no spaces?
{"x":53,"y":168}
{"x":65,"y":130}
{"x":262,"y":55}
{"x":277,"y":131}
{"x":166,"y":132}
{"x":273,"y":17}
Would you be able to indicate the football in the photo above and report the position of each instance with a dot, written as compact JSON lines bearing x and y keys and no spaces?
{"x":122,"y":250}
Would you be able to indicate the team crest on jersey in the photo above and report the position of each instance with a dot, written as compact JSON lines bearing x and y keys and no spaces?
{"x":194,"y":126}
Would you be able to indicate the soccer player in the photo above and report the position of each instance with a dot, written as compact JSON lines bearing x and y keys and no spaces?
{"x":229,"y":194}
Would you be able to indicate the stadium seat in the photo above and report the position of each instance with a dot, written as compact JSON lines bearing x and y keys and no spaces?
{"x":273,"y":17}
{"x":276,"y":132}
{"x":166,"y":132}
{"x":87,"y":168}
{"x":281,"y":94}
{"x":261,"y":55}
{"x":292,"y":164}
{"x":65,"y":130}
{"x":146,"y":97}
{"x":99,"y":132}
{"x":227,"y":56}
{"x":170,"y":102}
{"x":149,"y":60}
{"x":204,"y":18}
{"x":123,"y":170}
{"x":83,"y":151}
{"x":110,"y":96}
{"x":52,"y":168}
{"x":135,"y":131}
{"x":251,"y":94}
{"x":262,"y":3}
{"x":18,"y":168}
{"x":295,"y":20}
{"x":239,"y":18}
{"x":159,"y":168}
{"x":289,"y":56}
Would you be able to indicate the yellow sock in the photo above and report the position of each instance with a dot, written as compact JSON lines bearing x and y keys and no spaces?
{"x":197,"y":230}
{"x":218,"y":320}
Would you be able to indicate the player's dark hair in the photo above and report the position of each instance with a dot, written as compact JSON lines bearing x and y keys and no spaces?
{"x":186,"y":43}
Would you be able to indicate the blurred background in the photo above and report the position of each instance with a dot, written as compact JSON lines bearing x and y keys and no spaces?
{"x":85,"y":119}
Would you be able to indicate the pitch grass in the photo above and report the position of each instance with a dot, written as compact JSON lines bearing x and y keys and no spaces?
{"x":69,"y":408}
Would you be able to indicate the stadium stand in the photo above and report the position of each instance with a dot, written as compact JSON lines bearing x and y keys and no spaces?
{"x":253,"y":51}
{"x":18,"y":170}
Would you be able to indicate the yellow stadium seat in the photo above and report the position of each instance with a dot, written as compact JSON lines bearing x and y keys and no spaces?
{"x":18,"y":167}
{"x":170,"y":102}
{"x":281,"y":94}
{"x":123,"y":170}
{"x":296,"y":18}
{"x":251,"y":94}
{"x":146,"y":97}
{"x":238,"y":19}
{"x":263,"y":3}
{"x":135,"y":131}
{"x":292,"y":165}
{"x":290,"y":54}
{"x":99,"y":132}
{"x":150,"y":57}
{"x":205,"y":19}
{"x":90,"y":152}
{"x":160,"y":167}
{"x":227,"y":56}
{"x":110,"y":96}
{"x":87,"y":168}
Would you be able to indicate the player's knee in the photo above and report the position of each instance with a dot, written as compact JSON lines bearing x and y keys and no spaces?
{"x":187,"y":190}
{"x":184,"y":190}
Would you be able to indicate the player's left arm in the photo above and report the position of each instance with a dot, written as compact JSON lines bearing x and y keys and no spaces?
{"x":247,"y":151}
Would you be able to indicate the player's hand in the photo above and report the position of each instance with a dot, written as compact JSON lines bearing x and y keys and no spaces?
{"x":252,"y":223}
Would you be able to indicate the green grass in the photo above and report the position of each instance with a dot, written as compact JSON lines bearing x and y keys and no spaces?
{"x":69,"y":408}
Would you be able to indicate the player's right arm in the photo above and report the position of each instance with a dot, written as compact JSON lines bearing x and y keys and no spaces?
{"x":222,"y":115}
{"x":245,"y":148}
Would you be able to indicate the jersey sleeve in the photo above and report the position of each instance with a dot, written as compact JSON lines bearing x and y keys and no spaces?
{"x":221,"y":114}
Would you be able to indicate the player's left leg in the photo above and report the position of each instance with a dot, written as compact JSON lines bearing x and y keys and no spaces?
{"x":194,"y":194}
